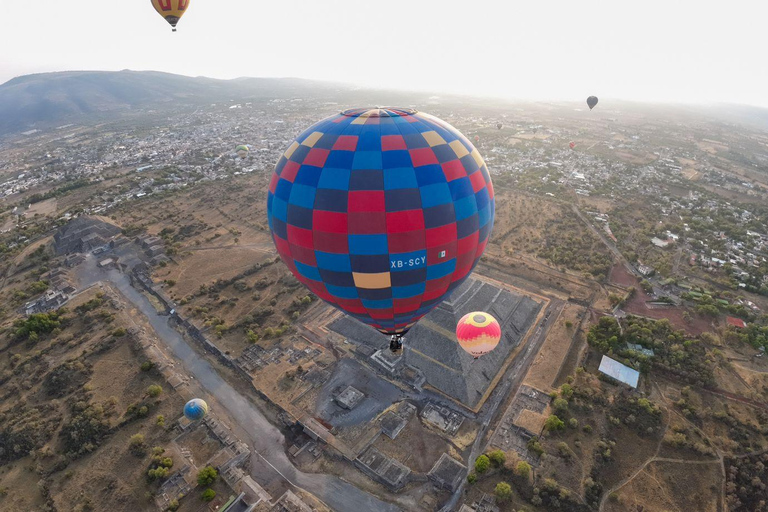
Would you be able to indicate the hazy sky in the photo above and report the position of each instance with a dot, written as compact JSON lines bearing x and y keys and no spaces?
{"x":670,"y":50}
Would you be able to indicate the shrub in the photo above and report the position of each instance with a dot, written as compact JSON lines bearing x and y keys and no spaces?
{"x":207,"y":476}
{"x":561,"y":404}
{"x":119,"y":332}
{"x":208,"y":495}
{"x":482,"y":464}
{"x":154,"y":390}
{"x":146,"y":366}
{"x":472,"y":478}
{"x":137,"y":446}
{"x":535,"y":446}
{"x":159,"y":473}
{"x":573,"y":423}
{"x":553,"y":423}
{"x":497,"y":457}
{"x":523,"y":469}
{"x":503,"y":492}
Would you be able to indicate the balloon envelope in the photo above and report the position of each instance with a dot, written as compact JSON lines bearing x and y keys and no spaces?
{"x":381,"y":212}
{"x":242,"y":151}
{"x":499,"y":126}
{"x":195,"y":409}
{"x":171,"y":10}
{"x":572,"y":145}
{"x":592,"y":101}
{"x":478,"y":333}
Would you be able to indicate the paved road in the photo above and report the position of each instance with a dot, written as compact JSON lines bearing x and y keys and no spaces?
{"x":266,"y":439}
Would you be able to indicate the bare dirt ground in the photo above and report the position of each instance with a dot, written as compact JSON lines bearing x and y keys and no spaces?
{"x":637,"y":305}
{"x":47,"y":207}
{"x":689,"y":168}
{"x":667,"y":485}
{"x":553,"y":352}
{"x":205,"y":266}
{"x":416,"y":446}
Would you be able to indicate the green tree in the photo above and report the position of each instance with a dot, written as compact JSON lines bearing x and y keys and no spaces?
{"x":553,"y":423}
{"x":566,"y":391}
{"x":561,"y":404}
{"x":146,"y":366}
{"x":523,"y":469}
{"x":119,"y":332}
{"x":472,"y":478}
{"x":482,"y":464}
{"x":497,"y":457}
{"x":503,"y":492}
{"x":38,"y":287}
{"x":207,"y":476}
{"x":154,"y":390}
{"x":159,"y":473}
{"x":208,"y":495}
{"x":173,"y":506}
{"x":160,"y":420}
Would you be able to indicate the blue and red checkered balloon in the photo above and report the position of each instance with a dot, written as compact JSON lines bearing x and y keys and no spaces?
{"x":381,"y":212}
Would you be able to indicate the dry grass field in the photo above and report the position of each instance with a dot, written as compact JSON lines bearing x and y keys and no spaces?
{"x":66,"y":401}
{"x":553,"y":352}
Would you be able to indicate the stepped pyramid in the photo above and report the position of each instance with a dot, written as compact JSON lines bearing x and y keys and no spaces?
{"x":431,"y":345}
{"x":84,"y":234}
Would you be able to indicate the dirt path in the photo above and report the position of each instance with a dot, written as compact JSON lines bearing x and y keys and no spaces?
{"x":631,"y":477}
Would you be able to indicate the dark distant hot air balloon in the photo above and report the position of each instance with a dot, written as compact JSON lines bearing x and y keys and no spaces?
{"x":572,"y":144}
{"x":195,"y":409}
{"x":382,"y":213}
{"x":478,"y":333}
{"x":592,"y":101}
{"x":499,"y":126}
{"x":171,"y":10}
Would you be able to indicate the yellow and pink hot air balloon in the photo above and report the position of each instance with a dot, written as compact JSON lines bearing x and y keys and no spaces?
{"x":478,"y":333}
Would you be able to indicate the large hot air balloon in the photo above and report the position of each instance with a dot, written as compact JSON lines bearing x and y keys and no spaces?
{"x":478,"y":333}
{"x":171,"y":10}
{"x":195,"y":409}
{"x":592,"y":101}
{"x":242,"y":151}
{"x":382,"y":213}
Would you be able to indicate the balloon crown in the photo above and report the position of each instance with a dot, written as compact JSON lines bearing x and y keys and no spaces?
{"x":379,"y":112}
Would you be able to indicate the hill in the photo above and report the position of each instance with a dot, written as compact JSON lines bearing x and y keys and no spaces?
{"x":48,"y":99}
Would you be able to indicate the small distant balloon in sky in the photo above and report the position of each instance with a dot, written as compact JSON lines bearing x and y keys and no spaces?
{"x":171,"y":10}
{"x":592,"y":101}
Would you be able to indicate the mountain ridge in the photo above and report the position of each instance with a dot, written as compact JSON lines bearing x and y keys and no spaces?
{"x":45,"y":99}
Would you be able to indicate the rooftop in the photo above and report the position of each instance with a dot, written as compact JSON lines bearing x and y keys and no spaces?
{"x":620,"y":372}
{"x":447,"y":472}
